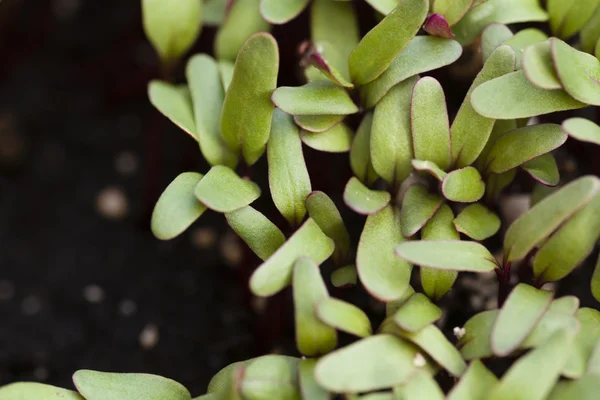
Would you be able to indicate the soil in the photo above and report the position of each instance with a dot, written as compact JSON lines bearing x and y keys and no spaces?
{"x":83,"y":155}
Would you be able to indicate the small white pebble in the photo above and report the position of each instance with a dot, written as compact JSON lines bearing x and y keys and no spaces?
{"x":459,"y":332}
{"x":127,"y":308}
{"x":7,"y":290}
{"x":126,"y":163}
{"x":419,"y":361}
{"x":40,"y":373}
{"x":112,"y":203}
{"x":149,"y":336}
{"x":204,"y":238}
{"x":31,"y":305}
{"x":93,"y":294}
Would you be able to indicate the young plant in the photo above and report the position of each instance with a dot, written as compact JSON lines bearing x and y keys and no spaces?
{"x":427,"y":185}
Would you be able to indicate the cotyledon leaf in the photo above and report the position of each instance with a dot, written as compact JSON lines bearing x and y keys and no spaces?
{"x":573,"y":17}
{"x":475,"y":384}
{"x":492,"y":37}
{"x":585,"y":388}
{"x":383,"y":7}
{"x":475,"y":343}
{"x":418,"y":207}
{"x":247,"y":109}
{"x":470,"y":131}
{"x":317,"y":123}
{"x":422,"y":54}
{"x":523,"y":39}
{"x":452,"y":10}
{"x":363,"y":200}
{"x":546,"y":216}
{"x":337,"y":139}
{"x":391,"y":142}
{"x":336,"y":23}
{"x":585,"y":340}
{"x":202,"y":73}
{"x":421,"y":386}
{"x":430,"y":167}
{"x":280,"y":12}
{"x":226,"y":70}
{"x":177,"y":208}
{"x":308,"y":386}
{"x":314,"y":98}
{"x":429,"y":123}
{"x":590,"y":33}
{"x":344,"y":316}
{"x":595,"y":282}
{"x":344,"y":276}
{"x":463,"y":185}
{"x":288,"y":177}
{"x":543,"y":169}
{"x":513,"y":96}
{"x":276,"y":272}
{"x":538,"y":66}
{"x":260,"y":234}
{"x":383,"y":275}
{"x":324,"y":212}
{"x":582,"y":129}
{"x":222,"y":190}
{"x":214,"y":12}
{"x":360,"y":153}
{"x":175,"y":103}
{"x":269,"y":377}
{"x":36,"y":391}
{"x":477,"y":222}
{"x":378,"y":48}
{"x":416,"y":313}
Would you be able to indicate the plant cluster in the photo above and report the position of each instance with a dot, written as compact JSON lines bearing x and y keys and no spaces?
{"x":428,"y":187}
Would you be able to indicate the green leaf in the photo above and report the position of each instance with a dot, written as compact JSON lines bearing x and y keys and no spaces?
{"x":579,"y":72}
{"x":223,"y":191}
{"x":595,"y":282}
{"x":470,"y":131}
{"x":375,"y":395}
{"x":226,"y":70}
{"x":385,"y":361}
{"x":314,"y":98}
{"x":36,"y":391}
{"x":533,"y":375}
{"x":502,"y":11}
{"x":517,"y":147}
{"x":335,"y":140}
{"x":585,"y":341}
{"x":280,"y":12}
{"x":475,"y":384}
{"x":429,"y":123}
{"x":493,"y":36}
{"x":309,"y":388}
{"x":393,"y":306}
{"x":335,"y":23}
{"x":344,"y":316}
{"x":276,"y":272}
{"x":247,"y":110}
{"x":344,"y":276}
{"x":94,"y":385}
{"x":207,"y":92}
{"x":323,"y":58}
{"x":543,"y":169}
{"x":582,"y":129}
{"x":566,"y":304}
{"x":590,"y":33}
{"x":260,"y":234}
{"x":242,"y":21}
{"x":175,"y":103}
{"x":324,"y":212}
{"x":463,"y":185}
{"x":538,"y":66}
{"x":360,"y":153}
{"x":382,"y":44}
{"x":391,"y":141}
{"x":383,"y":7}
{"x":383,"y":275}
{"x":317,"y":123}
{"x":452,"y":10}
{"x":519,"y":315}
{"x":288,"y":177}
{"x":172,"y":27}
{"x":477,"y":222}
{"x":430,"y":167}
{"x":593,"y":367}
{"x":597,"y":51}
{"x":569,"y":245}
{"x":500,"y":128}
{"x":214,"y":12}
{"x":418,"y":207}
{"x":421,"y":386}
{"x":523,"y":39}
{"x":270,"y":377}
{"x":549,"y":214}
{"x":475,"y":343}
{"x":552,"y":321}
{"x":436,"y":282}
{"x":177,"y":208}
{"x":513,"y":96}
{"x":313,"y":337}
{"x":363,"y":200}
{"x":586,"y":388}
{"x":422,"y":54}
{"x":448,"y":254}
{"x":568,"y":18}
{"x":416,"y":313}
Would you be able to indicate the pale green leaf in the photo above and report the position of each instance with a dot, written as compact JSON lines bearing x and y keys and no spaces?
{"x":492,"y":37}
{"x":595,"y":282}
{"x":202,"y":73}
{"x":309,"y":388}
{"x":572,"y":16}
{"x":582,"y":129}
{"x":513,"y":96}
{"x":538,"y":66}
{"x":393,"y":306}
{"x":172,"y":27}
{"x":430,"y":167}
{"x":391,"y":141}
{"x":578,"y":72}
{"x":421,"y":386}
{"x":416,"y":313}
{"x":565,"y":304}
{"x":223,"y":191}
{"x":552,"y":321}
{"x":593,"y":367}
{"x":452,"y":10}
{"x":36,"y":391}
{"x":214,"y":12}
{"x":543,"y":169}
{"x":448,"y":254}
{"x":243,"y":21}
{"x":586,"y":388}
{"x":344,"y":316}
{"x":475,"y":343}
{"x":383,"y":7}
{"x":344,"y":276}
{"x":324,"y":58}
{"x":523,"y":39}
{"x":590,"y":33}
{"x":477,"y":222}
{"x":363,"y":200}
{"x":270,"y":377}
{"x":324,"y":212}
{"x":314,"y":98}
{"x":313,"y":337}
{"x":260,"y":234}
{"x":383,"y":275}
{"x":276,"y":272}
{"x":288,"y":177}
{"x":585,"y":341}
{"x":463,"y":185}
{"x":94,"y":385}
{"x":317,"y":123}
{"x":280,"y":12}
{"x":226,"y":70}
{"x":247,"y":110}
{"x":418,"y":207}
{"x":519,"y":315}
{"x":360,"y":153}
{"x":175,"y":103}
{"x":336,"y":23}
{"x":475,"y":384}
{"x":422,"y":54}
{"x":382,"y":44}
{"x":335,"y":140}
